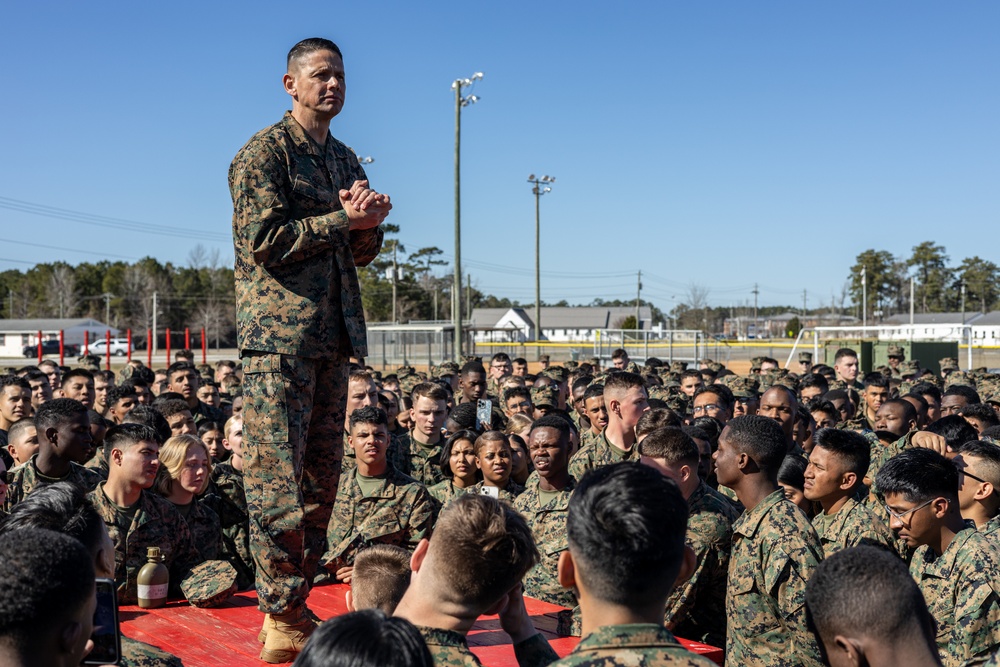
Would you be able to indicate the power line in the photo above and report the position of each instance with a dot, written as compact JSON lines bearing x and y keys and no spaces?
{"x":85,"y":252}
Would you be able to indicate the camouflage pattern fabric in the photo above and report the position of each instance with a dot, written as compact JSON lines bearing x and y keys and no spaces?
{"x":960,"y":589}
{"x":992,"y":531}
{"x":156,"y":523}
{"x":588,"y":438}
{"x":229,"y":500}
{"x":209,"y":584}
{"x":297,"y":289}
{"x":205,"y":527}
{"x":696,"y":609}
{"x":638,"y":645}
{"x":422,"y":462}
{"x":600,"y":453}
{"x":138,"y":654}
{"x":293,"y":421}
{"x":204,"y":412}
{"x":775,"y":551}
{"x":548,"y":527}
{"x":25,"y":478}
{"x":853,"y":525}
{"x":444,"y":492}
{"x":400,"y":513}
{"x":450,"y":649}
{"x":508,"y":493}
{"x":882,"y":453}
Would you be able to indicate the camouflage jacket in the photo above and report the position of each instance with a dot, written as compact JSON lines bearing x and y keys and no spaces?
{"x":960,"y":587}
{"x":206,"y":413}
{"x":157,"y":523}
{"x":992,"y":530}
{"x":548,"y":526}
{"x":508,"y":493}
{"x":696,"y":609}
{"x":882,"y":453}
{"x":853,"y":525}
{"x":229,"y":500}
{"x":422,"y":462}
{"x":297,"y":288}
{"x":588,"y":438}
{"x":599,"y":453}
{"x":639,"y":645}
{"x":775,"y":551}
{"x":206,"y":530}
{"x":25,"y":478}
{"x":444,"y":492}
{"x":402,"y":513}
{"x":450,"y":649}
{"x":139,"y":654}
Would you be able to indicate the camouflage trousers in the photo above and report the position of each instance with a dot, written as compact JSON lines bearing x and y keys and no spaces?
{"x":293,"y":422}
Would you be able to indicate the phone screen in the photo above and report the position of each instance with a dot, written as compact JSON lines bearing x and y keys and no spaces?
{"x":106,"y":636}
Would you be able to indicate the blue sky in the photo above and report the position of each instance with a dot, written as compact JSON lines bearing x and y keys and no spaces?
{"x":719,"y":143}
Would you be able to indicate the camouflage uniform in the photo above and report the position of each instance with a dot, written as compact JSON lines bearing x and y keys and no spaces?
{"x":450,"y":649}
{"x":548,"y":527}
{"x":588,"y":438}
{"x":299,"y":320}
{"x":960,"y":589}
{"x":638,"y":645}
{"x":25,"y":478}
{"x":156,"y":523}
{"x":444,"y":492}
{"x":401,"y":513}
{"x":229,"y":501}
{"x":882,"y":453}
{"x":394,"y":453}
{"x":600,"y":453}
{"x":206,"y":530}
{"x":853,"y":525}
{"x":508,"y":493}
{"x":206,"y":413}
{"x":139,"y":654}
{"x":992,"y":530}
{"x":422,"y":462}
{"x":775,"y":551}
{"x":696,"y":609}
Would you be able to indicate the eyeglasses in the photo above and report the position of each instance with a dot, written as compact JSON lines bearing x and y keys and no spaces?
{"x":969,"y":474}
{"x":902,"y":515}
{"x":705,"y":408}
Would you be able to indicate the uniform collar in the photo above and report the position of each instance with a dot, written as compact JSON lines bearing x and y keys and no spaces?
{"x":748,"y":524}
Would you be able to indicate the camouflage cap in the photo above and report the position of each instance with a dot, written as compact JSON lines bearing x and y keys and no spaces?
{"x":632,"y":367}
{"x":209,"y":584}
{"x":571,"y":364}
{"x":406,"y":384}
{"x":715,"y":366}
{"x":544,"y":396}
{"x":403,"y":371}
{"x":595,"y":361}
{"x":743,"y":386}
{"x":678,"y":366}
{"x":546,"y":358}
{"x":756,"y":362}
{"x":557,"y":373}
{"x":959,"y":377}
{"x":896,"y":351}
{"x":706,"y":361}
{"x":89,"y":361}
{"x":948,"y":364}
{"x":993,"y":398}
{"x":678,"y":403}
{"x":911,"y":367}
{"x":660,"y":393}
{"x":805,"y":357}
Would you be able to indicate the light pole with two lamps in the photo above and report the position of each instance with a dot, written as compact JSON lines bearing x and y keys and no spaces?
{"x":540,"y":187}
{"x":458,"y":85}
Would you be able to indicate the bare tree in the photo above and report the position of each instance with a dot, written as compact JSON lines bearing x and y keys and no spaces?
{"x":62,"y":296}
{"x":697,"y":298}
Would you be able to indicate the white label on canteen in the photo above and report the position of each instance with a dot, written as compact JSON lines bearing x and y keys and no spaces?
{"x":152,"y":592}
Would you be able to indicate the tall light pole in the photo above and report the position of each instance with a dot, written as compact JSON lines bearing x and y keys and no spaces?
{"x":458,"y":85}
{"x":540,"y":186}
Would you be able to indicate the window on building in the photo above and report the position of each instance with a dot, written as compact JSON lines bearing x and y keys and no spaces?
{"x":24,"y":339}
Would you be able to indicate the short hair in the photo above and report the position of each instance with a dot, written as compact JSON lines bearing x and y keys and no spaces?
{"x":919,"y":399}
{"x":366,"y":638}
{"x":918,"y":474}
{"x":173,"y":453}
{"x":515,"y":392}
{"x":593,"y":391}
{"x":149,"y":416}
{"x":720,"y":391}
{"x":867,"y":591}
{"x":500,"y":356}
{"x":826,"y":407}
{"x":657,"y":418}
{"x":626,"y":526}
{"x":520,"y":360}
{"x":844,"y":352}
{"x":472,"y":367}
{"x":926,"y":389}
{"x":850,"y":447}
{"x":107,"y":376}
{"x":369,"y":414}
{"x":179,"y":367}
{"x":15,"y":429}
{"x":619,"y":353}
{"x":308,"y":46}
{"x":984,"y":412}
{"x":988,"y":452}
{"x":52,"y":414}
{"x":444,"y":460}
{"x":555,"y":422}
{"x":954,"y":429}
{"x":967,"y":392}
{"x":127,"y":435}
{"x":428,"y":390}
{"x":792,"y":471}
{"x":690,"y":373}
{"x":76,"y":372}
{"x":168,"y":407}
{"x":671,"y":444}
{"x":814,"y":380}
{"x":875,"y":379}
{"x":493,"y":543}
{"x":118,"y":392}
{"x":761,"y":438}
{"x":381,"y":576}
{"x":622,"y":381}
{"x":464,"y":414}
{"x":488,"y":437}
{"x":46,"y":575}
{"x":34,"y":374}
{"x":62,"y":507}
{"x":909,"y":412}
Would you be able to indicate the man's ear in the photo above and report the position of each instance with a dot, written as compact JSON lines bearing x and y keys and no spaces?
{"x":848,"y":479}
{"x":985,"y":491}
{"x":615,"y":406}
{"x":69,"y":637}
{"x":688,"y":562}
{"x":417,"y":559}
{"x":849,"y":648}
{"x":566,"y":570}
{"x":349,"y":600}
{"x":52,"y":435}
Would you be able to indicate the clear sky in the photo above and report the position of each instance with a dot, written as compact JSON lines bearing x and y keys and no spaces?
{"x":720,"y":143}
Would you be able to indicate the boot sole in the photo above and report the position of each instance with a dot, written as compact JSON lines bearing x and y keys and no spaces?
{"x":275,"y":657}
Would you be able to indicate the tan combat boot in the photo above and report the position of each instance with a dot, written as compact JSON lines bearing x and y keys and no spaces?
{"x":268,"y":624}
{"x":287,"y":636}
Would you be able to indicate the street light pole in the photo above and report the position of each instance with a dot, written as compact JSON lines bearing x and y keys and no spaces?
{"x":539,"y":188}
{"x":456,"y":289}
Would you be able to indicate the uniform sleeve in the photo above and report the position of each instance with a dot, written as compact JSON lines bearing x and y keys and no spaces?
{"x":185,"y":554}
{"x":534,"y":652}
{"x":975,"y":634}
{"x":262,"y":219}
{"x":785,"y":574}
{"x":422,"y":518}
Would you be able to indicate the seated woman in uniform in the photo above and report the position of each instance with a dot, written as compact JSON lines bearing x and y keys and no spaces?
{"x":458,"y":463}
{"x":185,"y":472}
{"x":495,"y":461}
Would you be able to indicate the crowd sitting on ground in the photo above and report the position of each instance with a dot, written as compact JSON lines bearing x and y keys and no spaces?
{"x":790,"y":517}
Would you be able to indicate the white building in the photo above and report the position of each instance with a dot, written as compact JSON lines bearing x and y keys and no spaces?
{"x":16,"y":334}
{"x":934,"y":326}
{"x":559,"y":323}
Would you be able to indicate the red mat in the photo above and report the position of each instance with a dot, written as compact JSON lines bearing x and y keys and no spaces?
{"x":227,"y":636}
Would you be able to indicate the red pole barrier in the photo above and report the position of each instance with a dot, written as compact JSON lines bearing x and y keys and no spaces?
{"x":129,"y":353}
{"x":168,"y":347}
{"x":62,"y":349}
{"x":187,"y":338}
{"x":204,"y":348}
{"x":107,"y":349}
{"x":149,"y":347}
{"x":39,"y":346}
{"x":86,"y":341}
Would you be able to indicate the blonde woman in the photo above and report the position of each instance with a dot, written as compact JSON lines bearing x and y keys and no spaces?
{"x":185,"y":471}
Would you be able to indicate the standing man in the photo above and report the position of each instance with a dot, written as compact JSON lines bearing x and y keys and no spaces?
{"x":303,"y":219}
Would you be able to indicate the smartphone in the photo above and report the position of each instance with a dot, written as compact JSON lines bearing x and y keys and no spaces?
{"x":107,"y":634}
{"x":484,"y":414}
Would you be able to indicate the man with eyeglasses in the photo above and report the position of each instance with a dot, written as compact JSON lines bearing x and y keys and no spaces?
{"x":714,"y":400}
{"x":517,"y":400}
{"x":955,"y":567}
{"x":978,"y":480}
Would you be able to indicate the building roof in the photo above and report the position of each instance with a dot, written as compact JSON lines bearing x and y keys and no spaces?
{"x":971,"y":317}
{"x":564,"y":317}
{"x":53,"y":324}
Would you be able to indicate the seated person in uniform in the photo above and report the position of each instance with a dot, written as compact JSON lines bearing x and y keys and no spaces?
{"x":494,"y":461}
{"x":366,"y":638}
{"x":185,"y":472}
{"x":458,"y":463}
{"x":381,"y":576}
{"x":375,"y":502}
{"x":22,"y":440}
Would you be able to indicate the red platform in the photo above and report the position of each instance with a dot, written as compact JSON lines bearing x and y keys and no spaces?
{"x":227,"y":636}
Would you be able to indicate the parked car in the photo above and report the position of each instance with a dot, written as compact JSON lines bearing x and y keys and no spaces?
{"x":119,"y":347}
{"x":51,"y":347}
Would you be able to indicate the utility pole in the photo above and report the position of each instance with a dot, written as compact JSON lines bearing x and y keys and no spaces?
{"x":963,"y":301}
{"x":540,"y":187}
{"x":912,"y":280}
{"x":468,"y":297}
{"x":107,"y":307}
{"x":456,"y":296}
{"x":803,"y":303}
{"x":638,"y":291}
{"x":435,"y":301}
{"x":394,"y":270}
{"x":756,"y":332}
{"x":154,"y":323}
